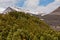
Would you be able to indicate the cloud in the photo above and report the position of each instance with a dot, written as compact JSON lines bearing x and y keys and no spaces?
{"x":33,"y":5}
{"x":57,"y":0}
{"x":6,"y":3}
{"x":49,"y":8}
{"x":1,"y":10}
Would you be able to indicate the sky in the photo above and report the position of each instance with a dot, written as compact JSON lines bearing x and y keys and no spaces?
{"x":44,"y":6}
{"x":45,"y":2}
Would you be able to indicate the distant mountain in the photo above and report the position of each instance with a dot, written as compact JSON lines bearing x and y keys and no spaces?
{"x":55,"y":12}
{"x":53,"y":18}
{"x":10,"y":9}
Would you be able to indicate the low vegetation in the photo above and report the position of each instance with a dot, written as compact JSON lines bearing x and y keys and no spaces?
{"x":21,"y":26}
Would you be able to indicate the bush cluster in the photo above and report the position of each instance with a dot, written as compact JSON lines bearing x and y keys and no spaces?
{"x":21,"y":26}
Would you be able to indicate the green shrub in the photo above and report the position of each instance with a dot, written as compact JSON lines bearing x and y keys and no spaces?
{"x":21,"y":26}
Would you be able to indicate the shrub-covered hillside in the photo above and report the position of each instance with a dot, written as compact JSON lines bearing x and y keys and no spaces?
{"x":21,"y":26}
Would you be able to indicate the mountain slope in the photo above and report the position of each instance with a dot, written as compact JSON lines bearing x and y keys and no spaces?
{"x":56,"y":12}
{"x":53,"y":19}
{"x":21,"y":26}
